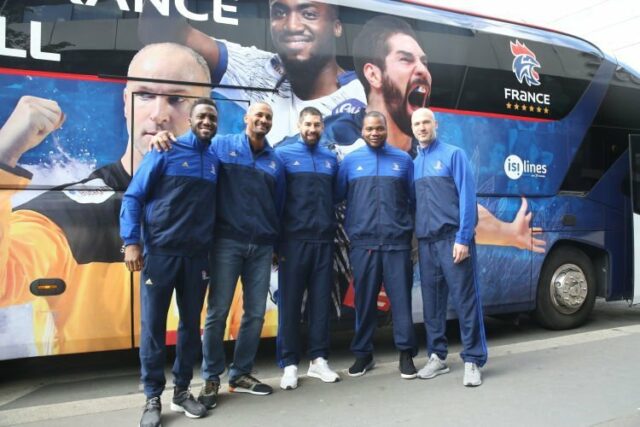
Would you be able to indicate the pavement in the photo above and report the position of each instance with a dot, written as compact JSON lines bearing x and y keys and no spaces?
{"x":534,"y":377}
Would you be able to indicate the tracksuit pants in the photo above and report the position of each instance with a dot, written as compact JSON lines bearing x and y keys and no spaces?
{"x":304,"y":265}
{"x":372,"y":267}
{"x":441,"y":278}
{"x":189,"y":276}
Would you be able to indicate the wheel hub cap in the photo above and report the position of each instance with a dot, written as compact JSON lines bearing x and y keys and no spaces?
{"x":568,"y":288}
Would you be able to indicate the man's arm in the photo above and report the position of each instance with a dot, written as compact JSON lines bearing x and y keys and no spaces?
{"x":342,"y":181}
{"x":133,"y":203}
{"x":466,"y":187}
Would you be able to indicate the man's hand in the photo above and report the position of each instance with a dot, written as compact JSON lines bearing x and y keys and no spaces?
{"x":27,"y":126}
{"x":162,"y":141}
{"x":133,"y":257}
{"x":460,"y":252}
{"x":522,"y":235}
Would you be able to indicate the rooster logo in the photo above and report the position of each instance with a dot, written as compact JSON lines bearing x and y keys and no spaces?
{"x":524,"y":64}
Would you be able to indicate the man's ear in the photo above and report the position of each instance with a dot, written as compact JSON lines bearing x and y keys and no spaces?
{"x":373,"y":74}
{"x":337,"y":28}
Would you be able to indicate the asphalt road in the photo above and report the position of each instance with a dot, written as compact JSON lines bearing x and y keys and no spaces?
{"x":583,"y":377}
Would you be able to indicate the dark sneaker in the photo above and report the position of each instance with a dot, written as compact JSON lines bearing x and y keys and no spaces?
{"x":361,"y":366}
{"x":151,"y":413}
{"x":247,"y":384}
{"x":407,"y":368}
{"x":183,"y":401}
{"x":209,"y":394}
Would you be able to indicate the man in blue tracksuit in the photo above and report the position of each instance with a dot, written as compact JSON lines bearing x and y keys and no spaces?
{"x":172,"y":195}
{"x":306,"y":249}
{"x":446,"y":216}
{"x":376,"y":181}
{"x":251,"y":192}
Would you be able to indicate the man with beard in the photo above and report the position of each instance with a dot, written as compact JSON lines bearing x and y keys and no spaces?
{"x":376,"y":181}
{"x":72,"y":233}
{"x":392,"y":67}
{"x":306,"y":250}
{"x":446,"y":216}
{"x":303,"y":71}
{"x":170,"y":205}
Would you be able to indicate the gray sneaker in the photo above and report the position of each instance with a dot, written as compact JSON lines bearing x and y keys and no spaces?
{"x":434,"y":367}
{"x":183,"y":401}
{"x":151,"y":413}
{"x":472,"y":375}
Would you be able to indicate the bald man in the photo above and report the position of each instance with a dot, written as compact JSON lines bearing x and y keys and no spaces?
{"x":446,"y":217}
{"x":72,"y":233}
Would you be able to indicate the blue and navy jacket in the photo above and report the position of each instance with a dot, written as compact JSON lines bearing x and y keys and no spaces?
{"x":377,"y":183}
{"x":445,"y":194}
{"x":251,"y":191}
{"x":173,"y":195}
{"x":309,"y":207}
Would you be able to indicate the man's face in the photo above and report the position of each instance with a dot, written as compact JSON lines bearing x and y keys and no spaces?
{"x":258,"y":120}
{"x":424,"y":125}
{"x":160,"y":106}
{"x":374,"y":131}
{"x":303,"y":32}
{"x":204,"y":121}
{"x":311,"y":128}
{"x":406,"y":81}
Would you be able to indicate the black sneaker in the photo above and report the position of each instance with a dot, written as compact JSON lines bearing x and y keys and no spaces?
{"x":247,"y":384}
{"x":209,"y":394}
{"x":361,"y":366}
{"x":151,"y":413}
{"x":183,"y":401}
{"x":407,"y":368}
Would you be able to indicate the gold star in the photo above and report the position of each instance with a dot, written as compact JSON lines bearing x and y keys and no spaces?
{"x":546,"y":110}
{"x":517,"y":107}
{"x":539,"y":110}
{"x":524,"y":107}
{"x":508,"y":106}
{"x":531,"y":108}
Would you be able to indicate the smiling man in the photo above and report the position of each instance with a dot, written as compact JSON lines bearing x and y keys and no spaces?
{"x":172,"y":198}
{"x":376,"y":182}
{"x":303,"y":70}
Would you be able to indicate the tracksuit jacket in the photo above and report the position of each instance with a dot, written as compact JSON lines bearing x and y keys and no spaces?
{"x":445,"y":208}
{"x":178,"y":216}
{"x":311,"y":171}
{"x":378,"y":181}
{"x":244,"y":175}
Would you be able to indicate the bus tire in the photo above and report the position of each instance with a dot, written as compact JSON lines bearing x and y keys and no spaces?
{"x":566,"y":290}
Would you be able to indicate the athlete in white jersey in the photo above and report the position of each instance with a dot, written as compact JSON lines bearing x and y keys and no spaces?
{"x":252,"y":67}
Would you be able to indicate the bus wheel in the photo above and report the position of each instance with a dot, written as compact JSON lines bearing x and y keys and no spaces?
{"x":566,"y":290}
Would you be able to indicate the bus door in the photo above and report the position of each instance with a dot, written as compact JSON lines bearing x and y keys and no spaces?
{"x":634,"y":155}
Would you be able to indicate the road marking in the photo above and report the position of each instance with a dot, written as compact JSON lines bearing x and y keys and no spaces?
{"x":12,"y":417}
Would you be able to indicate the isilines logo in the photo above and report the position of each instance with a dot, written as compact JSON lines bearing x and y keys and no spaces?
{"x":515,"y":168}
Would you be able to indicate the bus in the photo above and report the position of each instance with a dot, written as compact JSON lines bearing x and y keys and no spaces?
{"x":548,"y":121}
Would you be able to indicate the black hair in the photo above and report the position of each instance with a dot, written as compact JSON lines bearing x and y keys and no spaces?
{"x":370,"y":45}
{"x":312,"y":111}
{"x":200,"y":101}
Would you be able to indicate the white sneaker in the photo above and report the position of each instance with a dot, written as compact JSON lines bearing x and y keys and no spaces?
{"x":434,"y":367}
{"x":319,"y":368}
{"x":289,"y":379}
{"x":472,"y":375}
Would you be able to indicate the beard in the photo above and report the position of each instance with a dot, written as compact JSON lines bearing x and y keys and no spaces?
{"x":396,"y":105}
{"x":303,"y":74}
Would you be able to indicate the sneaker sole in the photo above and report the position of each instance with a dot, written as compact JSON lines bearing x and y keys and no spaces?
{"x":469,"y":384}
{"x":140,"y":425}
{"x":433,"y":375}
{"x":408,"y":376}
{"x":289,"y":387}
{"x":364,"y":371}
{"x":246,"y":390}
{"x":177,"y":408}
{"x":207,"y":406}
{"x":320,"y":377}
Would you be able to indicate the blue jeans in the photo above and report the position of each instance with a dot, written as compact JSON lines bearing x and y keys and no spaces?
{"x":229,"y":260}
